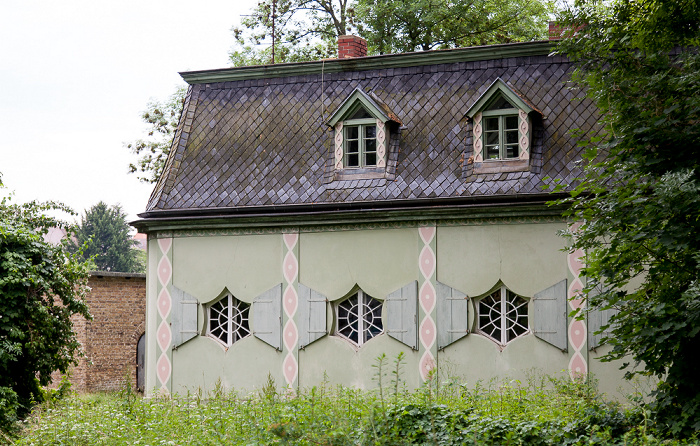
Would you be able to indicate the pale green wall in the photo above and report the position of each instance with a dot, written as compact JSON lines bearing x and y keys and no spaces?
{"x":526,"y":257}
{"x":244,"y":366}
{"x":245,"y":265}
{"x":379,"y":261}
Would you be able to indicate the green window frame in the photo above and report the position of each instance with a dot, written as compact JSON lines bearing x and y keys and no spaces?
{"x":501,"y":135}
{"x":360,"y":143}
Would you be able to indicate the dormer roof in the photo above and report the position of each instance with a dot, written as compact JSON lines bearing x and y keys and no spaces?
{"x":370,"y":102}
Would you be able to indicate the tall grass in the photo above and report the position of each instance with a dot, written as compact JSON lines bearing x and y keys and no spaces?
{"x":543,"y":410}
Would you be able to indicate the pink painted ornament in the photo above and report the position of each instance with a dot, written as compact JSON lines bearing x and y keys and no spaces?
{"x":291,"y":267}
{"x":427,"y":233}
{"x":165,"y":244}
{"x":427,"y":333}
{"x":164,"y":336}
{"x":577,"y":334}
{"x":164,"y":303}
{"x":290,"y":369}
{"x":427,"y":262}
{"x":291,"y":301}
{"x":291,"y":335}
{"x":163,"y":369}
{"x":290,"y":240}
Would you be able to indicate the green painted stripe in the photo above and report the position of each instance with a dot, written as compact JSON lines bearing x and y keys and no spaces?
{"x":472,"y":54}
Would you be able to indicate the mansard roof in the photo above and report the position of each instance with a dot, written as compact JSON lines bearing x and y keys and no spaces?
{"x":258,"y":137}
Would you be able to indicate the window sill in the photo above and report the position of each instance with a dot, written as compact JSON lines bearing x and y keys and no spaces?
{"x":501,"y":166}
{"x":367,"y":173}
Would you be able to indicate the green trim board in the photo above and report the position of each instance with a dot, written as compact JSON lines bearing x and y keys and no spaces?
{"x":357,"y":226}
{"x":509,"y":92}
{"x":359,"y":98}
{"x":472,"y":54}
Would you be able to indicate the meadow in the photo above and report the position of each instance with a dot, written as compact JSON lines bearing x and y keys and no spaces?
{"x":543,"y":410}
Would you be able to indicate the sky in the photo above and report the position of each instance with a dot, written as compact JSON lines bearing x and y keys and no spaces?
{"x":76,"y":75}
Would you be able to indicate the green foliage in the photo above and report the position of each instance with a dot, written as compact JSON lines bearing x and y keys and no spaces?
{"x":162,"y":118}
{"x":400,"y":26}
{"x":308,"y":29}
{"x":639,"y":196}
{"x":41,"y":287}
{"x":545,"y":411}
{"x":103,"y":234}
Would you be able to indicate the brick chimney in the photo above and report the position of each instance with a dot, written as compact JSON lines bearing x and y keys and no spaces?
{"x":351,"y":46}
{"x":558,"y":32}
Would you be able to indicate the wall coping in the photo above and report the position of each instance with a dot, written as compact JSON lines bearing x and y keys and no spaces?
{"x":117,"y":274}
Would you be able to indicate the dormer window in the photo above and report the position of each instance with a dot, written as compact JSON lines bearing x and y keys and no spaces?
{"x":500,"y":139}
{"x":501,"y":130}
{"x":361,"y":139}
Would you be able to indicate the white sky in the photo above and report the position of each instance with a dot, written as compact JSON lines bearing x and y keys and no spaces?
{"x":75,"y":76}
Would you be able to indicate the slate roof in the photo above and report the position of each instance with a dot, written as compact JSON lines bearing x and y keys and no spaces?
{"x":264,"y":142}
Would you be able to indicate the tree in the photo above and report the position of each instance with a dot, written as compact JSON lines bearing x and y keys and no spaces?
{"x":295,"y":30}
{"x":639,"y":197}
{"x":103,"y":234}
{"x":398,"y":26}
{"x":309,"y":29}
{"x":41,"y":287}
{"x":163,"y":118}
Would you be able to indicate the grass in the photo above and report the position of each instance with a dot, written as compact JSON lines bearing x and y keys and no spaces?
{"x":543,"y":410}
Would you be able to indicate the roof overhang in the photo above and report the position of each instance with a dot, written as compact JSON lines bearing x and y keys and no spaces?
{"x":416,"y":59}
{"x":497,"y":206}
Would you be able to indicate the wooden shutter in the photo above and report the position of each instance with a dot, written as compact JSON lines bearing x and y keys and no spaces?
{"x":402,"y":315}
{"x":452,"y":315}
{"x":267,"y":317}
{"x":549,"y":322}
{"x":597,"y":318}
{"x":312,"y":315}
{"x":183,"y":320}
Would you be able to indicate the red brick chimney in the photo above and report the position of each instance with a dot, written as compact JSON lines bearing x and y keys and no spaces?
{"x":351,"y":46}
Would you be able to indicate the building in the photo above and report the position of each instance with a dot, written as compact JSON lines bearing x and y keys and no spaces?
{"x":313,"y":216}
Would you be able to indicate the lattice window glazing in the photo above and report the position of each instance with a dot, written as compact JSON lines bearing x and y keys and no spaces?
{"x":359,"y":318}
{"x":500,"y":130}
{"x":228,"y":320}
{"x":502,"y":316}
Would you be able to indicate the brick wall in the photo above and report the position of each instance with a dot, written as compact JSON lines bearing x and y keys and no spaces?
{"x":117,"y":302}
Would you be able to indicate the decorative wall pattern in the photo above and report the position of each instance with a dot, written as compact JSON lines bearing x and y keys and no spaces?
{"x":339,"y":145}
{"x":164,"y":304}
{"x":290,"y":333}
{"x":578,"y":365}
{"x":478,"y":144}
{"x":524,"y":130}
{"x":381,"y":143}
{"x":427,"y":297}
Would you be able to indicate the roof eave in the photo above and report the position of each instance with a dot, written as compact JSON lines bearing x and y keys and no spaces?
{"x":471,"y":54}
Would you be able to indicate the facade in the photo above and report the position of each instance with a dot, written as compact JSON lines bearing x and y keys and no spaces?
{"x":313,"y":216}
